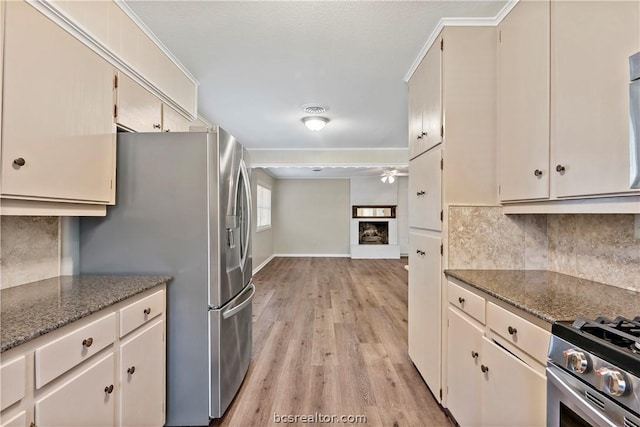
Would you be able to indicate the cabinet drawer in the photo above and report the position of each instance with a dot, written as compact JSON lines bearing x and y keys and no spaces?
{"x":66,"y":352}
{"x":530,"y":338}
{"x":140,"y":312}
{"x":467,"y":301}
{"x":12,"y":382}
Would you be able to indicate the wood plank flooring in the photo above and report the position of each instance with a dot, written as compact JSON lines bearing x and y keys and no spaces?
{"x":330,"y":337}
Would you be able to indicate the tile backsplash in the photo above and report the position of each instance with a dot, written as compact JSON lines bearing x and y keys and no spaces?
{"x":595,"y":247}
{"x":29,"y":249}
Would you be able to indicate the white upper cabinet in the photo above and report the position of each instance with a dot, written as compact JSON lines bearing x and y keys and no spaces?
{"x":172,"y":121}
{"x":523,"y":102}
{"x":58,"y":136}
{"x":116,"y":32}
{"x":590,"y":47}
{"x":564,"y":101}
{"x":138,"y":109}
{"x":425,"y":103}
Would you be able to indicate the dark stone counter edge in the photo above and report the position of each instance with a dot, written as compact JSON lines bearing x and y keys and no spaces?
{"x":79,"y":315}
{"x":536,"y":313}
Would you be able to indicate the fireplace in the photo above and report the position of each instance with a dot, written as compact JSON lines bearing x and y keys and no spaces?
{"x":373,"y":233}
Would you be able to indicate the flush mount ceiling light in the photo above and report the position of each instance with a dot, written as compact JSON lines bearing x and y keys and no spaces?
{"x":315,"y":123}
{"x":389,"y":175}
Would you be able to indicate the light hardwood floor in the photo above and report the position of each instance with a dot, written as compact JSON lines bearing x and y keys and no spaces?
{"x":330,"y":337}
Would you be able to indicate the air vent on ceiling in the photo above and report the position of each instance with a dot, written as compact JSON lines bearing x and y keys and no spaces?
{"x":314,"y":109}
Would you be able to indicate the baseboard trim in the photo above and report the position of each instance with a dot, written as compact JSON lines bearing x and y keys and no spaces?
{"x":312,"y":255}
{"x":264,"y":263}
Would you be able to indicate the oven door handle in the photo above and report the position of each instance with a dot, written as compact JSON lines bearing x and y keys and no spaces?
{"x":554,"y":375}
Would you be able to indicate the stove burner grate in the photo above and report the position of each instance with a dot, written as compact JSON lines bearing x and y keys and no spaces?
{"x":620,"y":332}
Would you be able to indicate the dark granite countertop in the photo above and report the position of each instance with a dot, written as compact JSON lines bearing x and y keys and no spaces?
{"x":30,"y":310}
{"x":552,"y":296}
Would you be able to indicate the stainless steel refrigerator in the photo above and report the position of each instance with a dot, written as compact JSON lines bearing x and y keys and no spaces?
{"x":183,"y":208}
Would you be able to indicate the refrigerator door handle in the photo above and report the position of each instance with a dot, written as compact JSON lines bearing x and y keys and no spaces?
{"x":247,"y":191}
{"x":238,"y":308}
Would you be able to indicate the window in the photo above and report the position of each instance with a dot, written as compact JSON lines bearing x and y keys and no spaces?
{"x":263,"y":205}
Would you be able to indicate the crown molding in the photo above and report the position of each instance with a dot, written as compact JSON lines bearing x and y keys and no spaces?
{"x":458,"y":22}
{"x":135,"y":18}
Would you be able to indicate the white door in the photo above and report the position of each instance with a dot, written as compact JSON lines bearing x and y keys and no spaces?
{"x":58,"y":136}
{"x":523,"y":102}
{"x":85,"y":400}
{"x":424,"y":307}
{"x":513,"y":394}
{"x":142,"y":379}
{"x":463,"y":369}
{"x":590,"y":48}
{"x":425,"y":177}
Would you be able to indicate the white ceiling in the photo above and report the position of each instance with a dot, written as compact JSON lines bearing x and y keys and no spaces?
{"x":258,"y":62}
{"x":331,"y":172}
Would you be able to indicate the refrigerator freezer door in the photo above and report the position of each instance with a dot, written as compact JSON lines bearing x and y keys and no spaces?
{"x":231,"y":277}
{"x":230,"y":349}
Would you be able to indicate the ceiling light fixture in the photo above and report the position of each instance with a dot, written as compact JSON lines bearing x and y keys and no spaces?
{"x":315,"y":123}
{"x":389,"y":175}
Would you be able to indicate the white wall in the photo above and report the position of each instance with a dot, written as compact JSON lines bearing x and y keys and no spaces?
{"x":311,"y":217}
{"x":262,"y":241}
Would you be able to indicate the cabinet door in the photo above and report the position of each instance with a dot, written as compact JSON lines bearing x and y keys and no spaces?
{"x":523,"y":102}
{"x":432,"y":97}
{"x":172,"y":121}
{"x":415,"y":96}
{"x":463,"y":369}
{"x":513,"y":394}
{"x":424,"y":307}
{"x":590,"y":47}
{"x":82,"y":401}
{"x":138,"y":109}
{"x":425,"y":177}
{"x":57,"y":113}
{"x":142,"y":378}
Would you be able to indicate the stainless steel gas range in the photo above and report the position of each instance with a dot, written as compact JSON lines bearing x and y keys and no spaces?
{"x":593,"y":373}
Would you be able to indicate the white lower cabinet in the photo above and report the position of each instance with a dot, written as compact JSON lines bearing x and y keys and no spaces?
{"x":142,"y":389}
{"x":94,"y":376}
{"x":463,"y":369}
{"x":489,"y":383}
{"x":424,"y":307}
{"x":87,"y":399}
{"x":513,"y":393}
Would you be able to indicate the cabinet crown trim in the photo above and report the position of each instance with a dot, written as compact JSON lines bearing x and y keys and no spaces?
{"x":457,"y":22}
{"x":57,"y":15}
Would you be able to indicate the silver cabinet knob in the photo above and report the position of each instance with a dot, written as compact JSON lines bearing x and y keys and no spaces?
{"x":576,"y":361}
{"x":537,"y":173}
{"x":611,"y":381}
